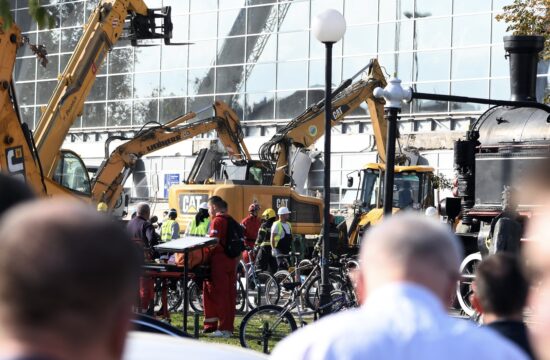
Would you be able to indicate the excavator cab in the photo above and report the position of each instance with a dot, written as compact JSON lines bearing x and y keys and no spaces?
{"x":72,"y":174}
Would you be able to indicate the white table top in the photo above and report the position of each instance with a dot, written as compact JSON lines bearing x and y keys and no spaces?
{"x":186,"y":243}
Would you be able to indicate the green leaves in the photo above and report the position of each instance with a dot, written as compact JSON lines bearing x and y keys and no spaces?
{"x":5,"y":13}
{"x":41,"y":15}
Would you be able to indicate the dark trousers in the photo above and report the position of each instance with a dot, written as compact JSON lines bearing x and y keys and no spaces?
{"x":265,"y":261}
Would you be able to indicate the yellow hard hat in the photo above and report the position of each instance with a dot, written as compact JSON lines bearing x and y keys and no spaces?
{"x":102,"y":207}
{"x":268,"y":214}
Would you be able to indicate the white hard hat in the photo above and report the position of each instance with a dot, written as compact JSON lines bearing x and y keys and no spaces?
{"x":431,"y":212}
{"x":204,"y":206}
{"x":283,"y":211}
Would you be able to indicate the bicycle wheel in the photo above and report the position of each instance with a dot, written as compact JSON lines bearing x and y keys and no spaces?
{"x":263,"y":327}
{"x":261,"y":289}
{"x":240,"y":302}
{"x":195,"y":297}
{"x":313,"y":288}
{"x":175,"y":295}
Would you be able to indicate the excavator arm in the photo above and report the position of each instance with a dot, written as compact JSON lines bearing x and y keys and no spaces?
{"x":113,"y":172}
{"x":104,"y":28}
{"x":308,"y":127}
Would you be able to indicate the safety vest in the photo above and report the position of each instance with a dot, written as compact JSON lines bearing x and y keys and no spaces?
{"x":200,"y":229}
{"x":166,"y":230}
{"x":281,"y":230}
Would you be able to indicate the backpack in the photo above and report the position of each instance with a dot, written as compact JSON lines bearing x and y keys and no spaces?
{"x":234,"y":241}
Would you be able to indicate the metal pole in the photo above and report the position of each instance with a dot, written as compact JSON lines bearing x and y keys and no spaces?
{"x":391,"y":116}
{"x":325,"y":286}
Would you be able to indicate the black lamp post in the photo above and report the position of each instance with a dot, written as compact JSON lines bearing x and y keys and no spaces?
{"x":328,"y":27}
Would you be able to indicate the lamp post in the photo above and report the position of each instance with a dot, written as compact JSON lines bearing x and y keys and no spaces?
{"x":328,"y":27}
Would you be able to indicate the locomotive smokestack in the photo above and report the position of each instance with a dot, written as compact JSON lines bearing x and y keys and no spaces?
{"x":523,"y":53}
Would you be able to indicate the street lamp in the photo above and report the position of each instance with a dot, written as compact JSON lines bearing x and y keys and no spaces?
{"x":328,"y":27}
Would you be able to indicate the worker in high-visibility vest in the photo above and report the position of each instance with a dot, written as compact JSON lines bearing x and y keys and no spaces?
{"x":170,"y":228}
{"x":199,"y":226}
{"x":281,"y":237}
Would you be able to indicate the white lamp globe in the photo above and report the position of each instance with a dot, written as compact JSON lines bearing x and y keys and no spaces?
{"x":329,"y":26}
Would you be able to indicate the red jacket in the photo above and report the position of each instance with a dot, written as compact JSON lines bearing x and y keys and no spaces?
{"x":251,"y":226}
{"x":218,"y":229}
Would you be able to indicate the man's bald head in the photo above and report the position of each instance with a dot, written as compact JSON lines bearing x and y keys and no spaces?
{"x":143,"y":210}
{"x":65,"y":270}
{"x":411,"y":248}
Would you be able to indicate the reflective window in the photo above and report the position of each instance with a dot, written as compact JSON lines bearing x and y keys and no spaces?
{"x":171,"y":109}
{"x":231,"y":4}
{"x":499,"y":64}
{"x":99,"y":89}
{"x":119,"y":113}
{"x":24,"y":20}
{"x":180,"y":33}
{"x":318,"y":6}
{"x":203,"y":53}
{"x":44,"y":91}
{"x":500,"y":89}
{"x":26,"y":50}
{"x":203,"y":25}
{"x":71,"y":173}
{"x":146,"y":85}
{"x":471,"y":30}
{"x":290,"y":104}
{"x":425,"y":8}
{"x":317,"y":73}
{"x":72,"y":14}
{"x":470,"y":6}
{"x":293,"y":16}
{"x":400,"y":63}
{"x":232,"y":22}
{"x":27,"y":116}
{"x":69,"y":39}
{"x":200,"y":81}
{"x":361,"y":11}
{"x":121,"y":60}
{"x":25,"y":93}
{"x":120,"y":87}
{"x":94,"y":115}
{"x":259,"y":106}
{"x":199,"y":103}
{"x":228,"y":78}
{"x":476,"y":88}
{"x":433,"y":33}
{"x":353,"y":64}
{"x":293,"y":46}
{"x":203,"y":5}
{"x":25,"y":69}
{"x":145,"y":111}
{"x":173,"y":83}
{"x":174,"y":57}
{"x":317,"y":49}
{"x":431,"y":65}
{"x":470,"y":63}
{"x":231,"y":51}
{"x":360,"y":40}
{"x":292,"y":75}
{"x":257,"y":17}
{"x":269,"y":43}
{"x":395,"y":36}
{"x":235,"y":101}
{"x":390,"y":11}
{"x":261,"y":78}
{"x":178,"y":6}
{"x":147,"y":58}
{"x":431,"y":105}
{"x":50,"y":39}
{"x":499,"y":30}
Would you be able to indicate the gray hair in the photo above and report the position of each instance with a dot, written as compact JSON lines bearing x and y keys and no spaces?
{"x":410,"y":238}
{"x":143,"y":209}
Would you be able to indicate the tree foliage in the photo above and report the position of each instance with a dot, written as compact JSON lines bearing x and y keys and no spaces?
{"x":44,"y":19}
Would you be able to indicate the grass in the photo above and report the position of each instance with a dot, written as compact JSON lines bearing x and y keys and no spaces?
{"x":177,"y":321}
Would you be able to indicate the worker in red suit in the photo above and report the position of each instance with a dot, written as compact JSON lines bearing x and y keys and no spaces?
{"x":251,"y":225}
{"x":220,"y":291}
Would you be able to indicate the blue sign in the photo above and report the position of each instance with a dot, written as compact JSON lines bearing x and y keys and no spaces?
{"x":169,"y":180}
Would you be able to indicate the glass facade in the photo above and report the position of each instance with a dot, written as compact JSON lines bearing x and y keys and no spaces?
{"x":260,"y":56}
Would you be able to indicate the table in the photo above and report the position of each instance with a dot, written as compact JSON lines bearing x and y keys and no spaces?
{"x":185,"y":245}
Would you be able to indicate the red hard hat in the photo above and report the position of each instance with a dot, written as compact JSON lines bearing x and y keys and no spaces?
{"x":253,"y":207}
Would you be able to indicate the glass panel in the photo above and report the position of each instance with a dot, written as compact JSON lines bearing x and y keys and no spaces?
{"x":121,"y":60}
{"x":203,"y":5}
{"x":231,"y":4}
{"x":257,"y":17}
{"x":318,"y":6}
{"x":477,"y":88}
{"x":317,"y":49}
{"x":231,"y":22}
{"x":227,"y":78}
{"x":180,"y":32}
{"x":72,"y":14}
{"x":353,"y":64}
{"x":542,"y":87}
{"x":395,"y":36}
{"x":293,"y":46}
{"x":400,"y":63}
{"x":270,"y":47}
{"x":178,"y":6}
{"x":24,"y":20}
{"x":295,"y":18}
{"x":94,"y":115}
{"x":174,"y":57}
{"x":99,"y":89}
{"x":119,"y":113}
{"x":426,"y":8}
{"x":145,"y":111}
{"x":470,"y":63}
{"x":203,"y":53}
{"x":25,"y":93}
{"x":71,"y":173}
{"x":431,"y":65}
{"x":470,"y":6}
{"x":69,"y":39}
{"x":499,"y":31}
{"x":361,"y":11}
{"x":231,"y":51}
{"x":292,"y":75}
{"x":317,"y":73}
{"x":120,"y":87}
{"x":360,"y":40}
{"x":261,"y":78}
{"x":173,"y":83}
{"x":50,"y":39}
{"x":430,"y":105}
{"x":26,"y":50}
{"x":146,"y":85}
{"x":500,"y":89}
{"x":27,"y":116}
{"x":51,"y":69}
{"x":147,"y":58}
{"x":44,"y":90}
{"x":171,"y":109}
{"x":394,"y":9}
{"x":25,"y":69}
{"x":433,"y":33}
{"x":499,"y":64}
{"x":290,"y":104}
{"x":199,"y":103}
{"x":259,"y":106}
{"x":203,"y":25}
{"x":471,"y":30}
{"x":200,"y":81}
{"x":235,"y":101}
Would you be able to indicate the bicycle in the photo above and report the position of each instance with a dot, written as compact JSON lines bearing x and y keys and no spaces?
{"x":261,"y":287}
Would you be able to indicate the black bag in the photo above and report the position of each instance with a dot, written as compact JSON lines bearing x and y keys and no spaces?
{"x":234,"y":241}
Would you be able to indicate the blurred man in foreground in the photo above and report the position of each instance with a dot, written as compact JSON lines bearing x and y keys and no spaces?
{"x":409,"y":269}
{"x":67,"y":283}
